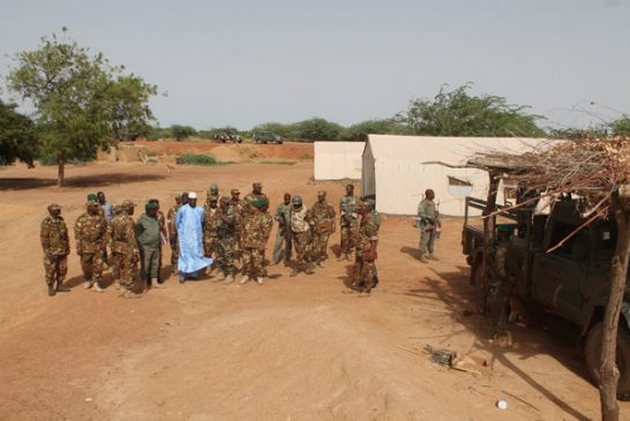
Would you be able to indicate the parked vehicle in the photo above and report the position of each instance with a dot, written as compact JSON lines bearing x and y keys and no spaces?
{"x":228,"y":138}
{"x":268,"y":137}
{"x":573,"y":281}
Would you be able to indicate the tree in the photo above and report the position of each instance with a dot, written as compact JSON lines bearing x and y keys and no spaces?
{"x":17,"y":137}
{"x":182,"y":132}
{"x":317,"y":129}
{"x":359,"y":131}
{"x":457,"y":113}
{"x":621,"y":127}
{"x":83,"y":103}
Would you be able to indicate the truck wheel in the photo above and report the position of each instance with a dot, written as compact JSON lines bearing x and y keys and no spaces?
{"x":480,"y":288}
{"x":592,"y":353}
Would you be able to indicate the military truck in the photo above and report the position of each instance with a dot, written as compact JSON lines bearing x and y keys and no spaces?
{"x":572,"y":281}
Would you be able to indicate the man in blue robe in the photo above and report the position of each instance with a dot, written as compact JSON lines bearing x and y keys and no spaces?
{"x":189,"y":223}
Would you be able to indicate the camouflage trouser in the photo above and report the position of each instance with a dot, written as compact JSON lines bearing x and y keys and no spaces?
{"x":92,"y":266}
{"x":427,"y":240}
{"x":320,"y":245}
{"x":174,"y":253}
{"x":348,"y":232}
{"x":363,"y":273}
{"x":209,"y":245}
{"x":56,"y":268}
{"x":225,"y":256}
{"x":128,"y":269}
{"x":282,"y":248}
{"x":252,"y":262}
{"x":302,"y":246}
{"x":115,"y":264}
{"x":150,"y":259}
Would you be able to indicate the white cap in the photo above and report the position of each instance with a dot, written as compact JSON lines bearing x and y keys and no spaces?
{"x":192,"y":195}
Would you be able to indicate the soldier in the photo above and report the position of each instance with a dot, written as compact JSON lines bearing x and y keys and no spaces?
{"x":378,"y":219}
{"x":267,"y":226}
{"x":226,"y":231}
{"x":148,"y":235}
{"x":125,"y":249}
{"x":348,"y":221}
{"x":364,"y":270}
{"x":256,"y":193}
{"x":253,"y":239}
{"x":213,"y":191}
{"x":210,"y":222}
{"x":238,"y":207}
{"x":115,"y":258}
{"x":428,"y":221}
{"x":282,"y":248}
{"x":172,"y":232}
{"x":56,"y":246}
{"x":163,"y":233}
{"x":322,"y":214}
{"x":89,"y":233}
{"x":302,"y":236}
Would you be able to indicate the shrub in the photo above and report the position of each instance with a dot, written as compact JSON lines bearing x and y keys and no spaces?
{"x":195,"y":159}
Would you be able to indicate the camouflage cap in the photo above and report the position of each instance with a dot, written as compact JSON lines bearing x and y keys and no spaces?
{"x":363,"y":206}
{"x":297,"y":200}
{"x":235,"y":191}
{"x":184,"y":194}
{"x":118,"y":209}
{"x":213,"y":198}
{"x":53,"y":206}
{"x":127,"y":204}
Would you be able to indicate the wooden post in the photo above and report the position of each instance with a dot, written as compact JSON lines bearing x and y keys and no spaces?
{"x":618,"y":275}
{"x":488,"y":231}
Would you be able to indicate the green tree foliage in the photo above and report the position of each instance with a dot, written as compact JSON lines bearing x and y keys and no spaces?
{"x":83,"y":103}
{"x":621,"y":127}
{"x":157,"y":133}
{"x":578,"y":134}
{"x":317,"y":129}
{"x":17,"y":137}
{"x":182,"y":132}
{"x":458,"y":113}
{"x":360,"y":130}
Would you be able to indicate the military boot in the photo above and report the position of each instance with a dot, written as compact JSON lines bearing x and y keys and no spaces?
{"x":260,"y":280}
{"x":51,"y":290}
{"x":295,"y":271}
{"x":244,"y":280}
{"x":97,"y":287}
{"x":228,"y":280}
{"x":432,"y":256}
{"x":310,"y":269}
{"x":87,"y":284}
{"x":423,"y":259}
{"x":62,"y":288}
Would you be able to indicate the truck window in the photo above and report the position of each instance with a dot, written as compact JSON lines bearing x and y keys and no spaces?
{"x":575,"y":248}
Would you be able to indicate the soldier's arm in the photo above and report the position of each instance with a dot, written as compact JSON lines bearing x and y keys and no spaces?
{"x":44,"y":236}
{"x":77,"y":235}
{"x":131,"y":235}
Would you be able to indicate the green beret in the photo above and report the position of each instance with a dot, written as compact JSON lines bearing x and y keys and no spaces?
{"x":149,"y":206}
{"x":91,"y":197}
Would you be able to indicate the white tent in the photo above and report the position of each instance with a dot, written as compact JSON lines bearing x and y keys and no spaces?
{"x":338,"y":160}
{"x":398,"y":169}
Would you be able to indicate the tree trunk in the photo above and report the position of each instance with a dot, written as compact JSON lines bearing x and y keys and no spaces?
{"x":488,"y":227}
{"x":618,"y":276}
{"x":61,"y":169}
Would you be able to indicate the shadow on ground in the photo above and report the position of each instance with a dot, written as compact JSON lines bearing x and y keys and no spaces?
{"x":78,"y":181}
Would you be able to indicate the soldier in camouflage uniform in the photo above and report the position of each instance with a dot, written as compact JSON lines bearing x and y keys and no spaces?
{"x":348,"y":221}
{"x":254,"y":235}
{"x":267,"y":226}
{"x":115,"y":258}
{"x":364,"y":271}
{"x":226,"y":231}
{"x":172,"y":232}
{"x":212,"y":191}
{"x":125,"y":249}
{"x":210,"y":223}
{"x":322,"y":215}
{"x":282,"y":248}
{"x":256,"y":194}
{"x":302,"y":236}
{"x":89,"y":233}
{"x":238,"y":207}
{"x":56,"y":246}
{"x":428,"y":221}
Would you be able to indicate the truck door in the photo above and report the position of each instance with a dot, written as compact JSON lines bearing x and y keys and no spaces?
{"x":557,"y":276}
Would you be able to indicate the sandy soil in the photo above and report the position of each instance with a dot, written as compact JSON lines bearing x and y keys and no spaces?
{"x":299,"y":348}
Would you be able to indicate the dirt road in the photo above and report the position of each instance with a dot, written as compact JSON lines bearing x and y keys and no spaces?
{"x":299,"y":348}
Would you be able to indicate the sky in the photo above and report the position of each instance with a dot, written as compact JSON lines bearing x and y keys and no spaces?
{"x":242,"y":62}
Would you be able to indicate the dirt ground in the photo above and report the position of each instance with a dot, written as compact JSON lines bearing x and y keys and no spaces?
{"x":299,"y":348}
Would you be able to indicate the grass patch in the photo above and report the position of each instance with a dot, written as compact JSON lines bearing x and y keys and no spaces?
{"x":306,"y":156}
{"x":277,"y":162}
{"x":196,"y":159}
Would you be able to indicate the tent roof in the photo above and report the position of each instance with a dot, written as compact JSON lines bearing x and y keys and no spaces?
{"x":450,"y":150}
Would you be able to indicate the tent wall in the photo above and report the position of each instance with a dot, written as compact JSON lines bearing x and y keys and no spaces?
{"x":338,"y":160}
{"x":398,"y":169}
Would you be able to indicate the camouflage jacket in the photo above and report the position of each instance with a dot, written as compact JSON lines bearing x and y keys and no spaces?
{"x":322,"y":216}
{"x":162,"y":221}
{"x":170,"y":221}
{"x":210,"y":221}
{"x":427,"y":212}
{"x":255,"y":231}
{"x":226,"y":229}
{"x":300,"y":220}
{"x":239,"y":209}
{"x":90,"y":233}
{"x":267,"y":224}
{"x":368,"y":232}
{"x":54,"y":236}
{"x":348,"y":210}
{"x":123,"y":234}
